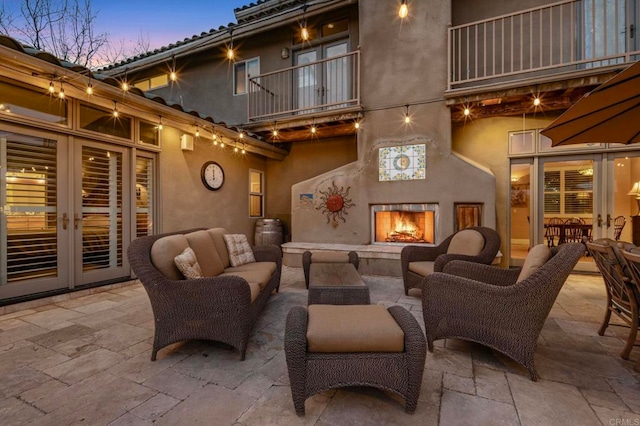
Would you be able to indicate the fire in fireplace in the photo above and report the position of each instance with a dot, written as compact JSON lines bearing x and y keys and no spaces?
{"x":404,"y":223}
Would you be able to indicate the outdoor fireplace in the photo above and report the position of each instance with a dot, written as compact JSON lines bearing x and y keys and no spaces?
{"x":404,"y":223}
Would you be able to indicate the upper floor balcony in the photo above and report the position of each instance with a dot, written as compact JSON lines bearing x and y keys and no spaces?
{"x":328,"y":85}
{"x":569,"y":38}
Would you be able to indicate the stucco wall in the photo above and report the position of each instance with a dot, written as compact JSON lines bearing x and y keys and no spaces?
{"x":306,"y":159}
{"x":206,"y":79}
{"x":486,"y":141}
{"x":186,"y":203}
{"x":466,"y":11}
{"x":402,"y":63}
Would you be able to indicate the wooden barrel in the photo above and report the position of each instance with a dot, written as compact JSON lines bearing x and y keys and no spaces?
{"x":268,"y":231}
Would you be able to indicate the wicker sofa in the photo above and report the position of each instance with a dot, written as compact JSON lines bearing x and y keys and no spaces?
{"x":221,"y":306}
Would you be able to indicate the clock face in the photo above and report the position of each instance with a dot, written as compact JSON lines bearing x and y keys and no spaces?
{"x":212,"y":175}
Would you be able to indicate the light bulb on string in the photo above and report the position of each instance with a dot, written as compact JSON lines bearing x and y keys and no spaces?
{"x":356,"y":125}
{"x":407,"y":117}
{"x":244,"y":151}
{"x":235,"y":147}
{"x":125,"y":86}
{"x":230,"y":52}
{"x":304,"y":31}
{"x":241,"y":135}
{"x":52,"y":88}
{"x":173,"y":76}
{"x":89,"y":89}
{"x":160,"y":127}
{"x":466,"y":111}
{"x":115,"y":109}
{"x":536,"y":101}
{"x":197,"y":132}
{"x":403,"y":12}
{"x":61,"y":92}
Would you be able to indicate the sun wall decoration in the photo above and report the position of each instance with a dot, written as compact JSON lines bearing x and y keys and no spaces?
{"x":334,"y":203}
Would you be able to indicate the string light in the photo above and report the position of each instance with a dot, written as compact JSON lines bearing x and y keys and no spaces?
{"x":173,"y":75}
{"x":61,"y":93}
{"x":313,"y":129}
{"x":466,"y":111}
{"x":244,"y":151}
{"x":407,"y":117}
{"x":304,"y":31}
{"x":52,"y":89}
{"x":221,"y":143}
{"x":357,"y":125}
{"x":230,"y":53}
{"x":536,"y":101}
{"x":197,"y":132}
{"x":241,"y":135}
{"x":404,"y":10}
{"x":160,"y":127}
{"x":89,"y":89}
{"x":115,"y":109}
{"x":235,"y":147}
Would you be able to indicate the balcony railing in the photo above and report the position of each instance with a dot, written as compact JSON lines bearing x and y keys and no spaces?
{"x":329,"y":84}
{"x":560,"y":37}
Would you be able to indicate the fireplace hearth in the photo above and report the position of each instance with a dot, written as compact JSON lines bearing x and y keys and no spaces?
{"x":404,"y":223}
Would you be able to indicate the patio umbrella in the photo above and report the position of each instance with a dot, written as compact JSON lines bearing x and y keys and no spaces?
{"x":610,"y":113}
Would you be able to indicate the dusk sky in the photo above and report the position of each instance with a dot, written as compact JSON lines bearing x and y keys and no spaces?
{"x":161,"y":21}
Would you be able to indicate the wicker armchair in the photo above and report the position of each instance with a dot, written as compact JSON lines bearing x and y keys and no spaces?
{"x":215,"y":308}
{"x":488,"y":305}
{"x":412,"y":256}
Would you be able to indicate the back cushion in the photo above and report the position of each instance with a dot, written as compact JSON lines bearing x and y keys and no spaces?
{"x":163,"y":253}
{"x":217,"y":235}
{"x":468,"y":242}
{"x":538,"y":256}
{"x":204,"y":248}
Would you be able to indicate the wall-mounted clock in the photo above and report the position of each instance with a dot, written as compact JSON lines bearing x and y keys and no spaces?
{"x":212,"y":175}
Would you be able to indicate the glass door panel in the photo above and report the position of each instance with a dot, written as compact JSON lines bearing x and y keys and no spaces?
{"x":145,"y":200}
{"x":307,"y":84}
{"x":520,"y":212}
{"x":101,"y":221}
{"x":336,"y":75}
{"x":34,"y":222}
{"x":622,"y":208}
{"x":568,"y":203}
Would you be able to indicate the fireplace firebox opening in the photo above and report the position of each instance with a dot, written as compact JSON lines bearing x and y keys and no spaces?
{"x":404,"y":223}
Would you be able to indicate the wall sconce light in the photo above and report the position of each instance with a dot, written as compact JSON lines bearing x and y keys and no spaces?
{"x":284,"y":53}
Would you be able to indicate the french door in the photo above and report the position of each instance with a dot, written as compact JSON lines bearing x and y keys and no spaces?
{"x":571,"y":198}
{"x":321,"y":80}
{"x":66,"y":212}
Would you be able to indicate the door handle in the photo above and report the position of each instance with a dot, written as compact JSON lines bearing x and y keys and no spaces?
{"x":65,"y":221}
{"x":608,"y":220}
{"x":599,"y":221}
{"x":76,"y":220}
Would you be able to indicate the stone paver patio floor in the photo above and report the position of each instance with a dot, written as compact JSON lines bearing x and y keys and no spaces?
{"x":85,"y":360}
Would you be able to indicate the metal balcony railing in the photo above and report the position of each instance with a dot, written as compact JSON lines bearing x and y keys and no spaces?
{"x":560,"y":37}
{"x":329,"y":84}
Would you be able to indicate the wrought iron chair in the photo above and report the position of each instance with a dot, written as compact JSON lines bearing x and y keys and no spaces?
{"x":622,"y":297}
{"x":618,"y":226}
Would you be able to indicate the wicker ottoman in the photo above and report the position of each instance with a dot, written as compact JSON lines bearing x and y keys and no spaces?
{"x":327,"y":257}
{"x":332,"y":346}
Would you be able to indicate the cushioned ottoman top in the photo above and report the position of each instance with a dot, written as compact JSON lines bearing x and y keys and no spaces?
{"x":353,"y":328}
{"x":329,"y":257}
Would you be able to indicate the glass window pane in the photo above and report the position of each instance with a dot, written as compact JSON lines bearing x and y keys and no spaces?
{"x":240,"y":78}
{"x":255,"y":205}
{"x":256,"y":181}
{"x":42,"y":106}
{"x":521,"y":143}
{"x":335,"y":27}
{"x":158,"y":81}
{"x":103,"y":121}
{"x":149,"y":133}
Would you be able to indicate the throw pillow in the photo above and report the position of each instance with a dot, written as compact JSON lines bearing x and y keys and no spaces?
{"x":239,"y":249}
{"x":188,"y":264}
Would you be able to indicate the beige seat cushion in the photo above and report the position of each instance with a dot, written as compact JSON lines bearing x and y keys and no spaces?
{"x":353,"y":328}
{"x":217,"y":235}
{"x":468,"y":242}
{"x":261,"y":277}
{"x":254,"y":266}
{"x":423,"y":268}
{"x":163,"y":253}
{"x":208,"y":258}
{"x":255,"y":290}
{"x":538,"y":256}
{"x":329,"y":257}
